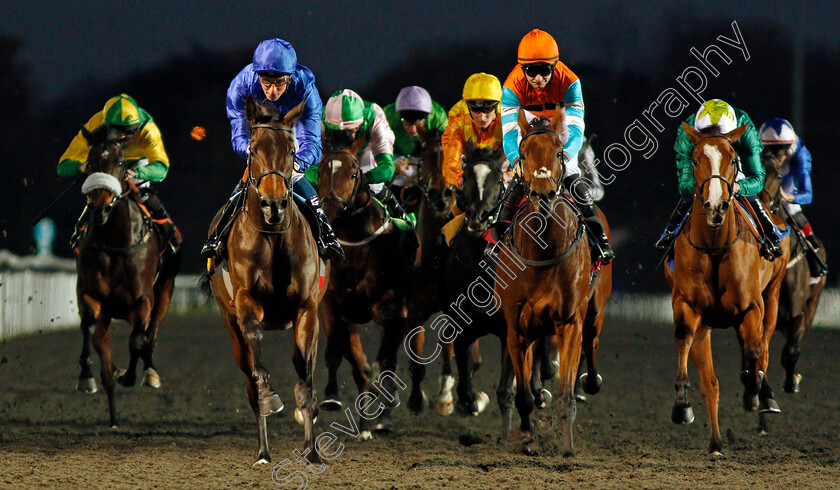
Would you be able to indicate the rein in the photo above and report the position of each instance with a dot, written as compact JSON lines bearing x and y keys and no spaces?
{"x":511,"y":243}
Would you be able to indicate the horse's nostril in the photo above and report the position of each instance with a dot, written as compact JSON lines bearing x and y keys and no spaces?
{"x":707,"y":205}
{"x":264,"y":203}
{"x":284,"y":203}
{"x":552,"y":195}
{"x":724,"y":206}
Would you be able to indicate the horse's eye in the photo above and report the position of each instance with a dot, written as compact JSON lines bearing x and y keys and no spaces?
{"x":354,"y":175}
{"x":560,"y":154}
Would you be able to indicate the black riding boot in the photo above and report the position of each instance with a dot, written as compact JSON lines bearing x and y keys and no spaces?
{"x":677,"y":215}
{"x":596,"y":231}
{"x":771,"y":246}
{"x":215,"y":245}
{"x":515,"y":194}
{"x":161,"y":219}
{"x":816,"y":264}
{"x":328,"y":246}
{"x":386,"y":197}
{"x":78,"y":230}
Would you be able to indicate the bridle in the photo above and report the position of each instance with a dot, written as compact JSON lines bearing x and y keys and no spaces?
{"x":501,"y":183}
{"x":255,"y":181}
{"x":334,"y":197}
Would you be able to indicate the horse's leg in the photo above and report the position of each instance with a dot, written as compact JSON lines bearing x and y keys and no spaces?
{"x":476,"y":356}
{"x":102,"y":345}
{"x":139,"y":321}
{"x":335,"y":331}
{"x":521,"y":356}
{"x":306,"y":348}
{"x":417,"y":398}
{"x":701,"y":354}
{"x":355,"y":355}
{"x":790,"y":352}
{"x":444,"y":404}
{"x":591,"y":380}
{"x":163,"y":299}
{"x":469,"y":402}
{"x":751,"y":335}
{"x":569,"y":346}
{"x":393,"y":331}
{"x":249,"y":317}
{"x":86,"y":382}
{"x":767,"y":402}
{"x":504,"y":391}
{"x":686,"y":323}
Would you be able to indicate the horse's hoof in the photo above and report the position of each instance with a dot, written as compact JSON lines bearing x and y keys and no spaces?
{"x":122,"y":378}
{"x":481,"y":402}
{"x":262,"y":461}
{"x":383,"y":426}
{"x":580,"y":396}
{"x":769,"y":405}
{"x":299,"y":417}
{"x":545,"y":397}
{"x":365,"y":435}
{"x":331,"y":405}
{"x":444,"y":408}
{"x":150,"y":378}
{"x":417,"y":403}
{"x":716,"y":455}
{"x":87,"y":385}
{"x":682,"y":414}
{"x":792,"y":383}
{"x":590,"y":388}
{"x":270,"y":404}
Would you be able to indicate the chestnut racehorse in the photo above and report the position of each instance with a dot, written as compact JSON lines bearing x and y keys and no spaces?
{"x":798,"y":298}
{"x":546,"y":246}
{"x":122,"y":272}
{"x":271,"y":282}
{"x":365,"y":285}
{"x":719,"y":280}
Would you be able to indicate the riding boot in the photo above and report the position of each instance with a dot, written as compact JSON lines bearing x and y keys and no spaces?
{"x":386,"y":197}
{"x":161,"y":219}
{"x":596,"y":231}
{"x":771,"y":244}
{"x":78,"y":229}
{"x":328,"y":246}
{"x":677,"y":216}
{"x":816,"y":264}
{"x":510,"y":204}
{"x":215,"y":245}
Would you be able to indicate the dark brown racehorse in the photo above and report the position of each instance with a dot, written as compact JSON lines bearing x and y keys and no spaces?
{"x":798,"y":298}
{"x":546,"y":247}
{"x":122,"y":272}
{"x":719,"y":280}
{"x":365,"y":285}
{"x":271,"y":282}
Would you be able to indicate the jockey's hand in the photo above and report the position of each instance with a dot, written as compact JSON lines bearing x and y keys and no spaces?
{"x":129,"y":174}
{"x":736,"y":187}
{"x":400,"y":165}
{"x":786,"y":196}
{"x":83,"y":168}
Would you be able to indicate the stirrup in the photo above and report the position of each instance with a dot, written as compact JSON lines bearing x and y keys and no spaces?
{"x":664,"y":242}
{"x":212,"y":248}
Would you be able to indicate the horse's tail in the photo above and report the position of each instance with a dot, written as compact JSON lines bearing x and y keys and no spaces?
{"x":203,"y":283}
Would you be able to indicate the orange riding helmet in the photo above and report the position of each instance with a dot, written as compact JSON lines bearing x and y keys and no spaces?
{"x":538,"y":47}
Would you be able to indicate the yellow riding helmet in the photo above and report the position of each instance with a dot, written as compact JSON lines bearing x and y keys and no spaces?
{"x":121,"y":110}
{"x":481,"y":86}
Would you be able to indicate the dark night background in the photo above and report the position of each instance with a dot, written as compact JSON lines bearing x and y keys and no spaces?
{"x":60,"y":63}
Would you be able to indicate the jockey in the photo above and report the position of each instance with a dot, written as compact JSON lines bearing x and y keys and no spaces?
{"x":717,"y":117}
{"x":276,"y":78}
{"x":781,"y":142}
{"x":537,"y":85}
{"x":344,"y":116}
{"x":474,"y":118}
{"x":414,"y":110}
{"x":144,"y":153}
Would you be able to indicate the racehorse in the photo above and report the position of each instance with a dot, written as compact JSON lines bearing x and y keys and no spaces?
{"x":365,"y":285}
{"x":269,"y":279}
{"x":122,"y":271}
{"x":798,"y":298}
{"x":555,"y":290}
{"x":719,"y":280}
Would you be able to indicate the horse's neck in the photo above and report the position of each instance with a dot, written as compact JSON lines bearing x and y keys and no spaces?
{"x":701,"y":235}
{"x":771,"y":194}
{"x":120,"y":229}
{"x":550,"y":230}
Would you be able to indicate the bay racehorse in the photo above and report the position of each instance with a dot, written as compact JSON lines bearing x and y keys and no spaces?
{"x":269,"y":279}
{"x":719,"y":280}
{"x":125,"y":270}
{"x":365,"y":286}
{"x":799,"y":295}
{"x":554,"y":291}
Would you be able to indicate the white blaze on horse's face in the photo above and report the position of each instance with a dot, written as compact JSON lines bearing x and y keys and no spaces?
{"x":715,"y":189}
{"x":542,"y":173}
{"x":335,"y":165}
{"x":481,"y":171}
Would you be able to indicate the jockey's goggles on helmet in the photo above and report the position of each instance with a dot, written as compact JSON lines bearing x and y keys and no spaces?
{"x":413,"y":117}
{"x":482,"y":106}
{"x":542,"y":69}
{"x":275,"y":80}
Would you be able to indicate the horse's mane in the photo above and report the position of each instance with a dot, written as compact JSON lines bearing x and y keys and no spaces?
{"x":483,"y":155}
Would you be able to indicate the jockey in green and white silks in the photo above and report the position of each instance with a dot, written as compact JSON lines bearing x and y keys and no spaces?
{"x":718,"y":117}
{"x":346,"y":116}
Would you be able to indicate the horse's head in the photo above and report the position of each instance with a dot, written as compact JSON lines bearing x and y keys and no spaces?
{"x":439,"y":193}
{"x":714,"y":164}
{"x":271,"y":157}
{"x":541,"y":155}
{"x":340,"y":179}
{"x":483,"y":185}
{"x":105,"y":170}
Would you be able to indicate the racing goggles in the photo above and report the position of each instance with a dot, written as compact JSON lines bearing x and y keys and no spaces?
{"x":482,"y":106}
{"x":277,"y":81}
{"x":413,"y":117}
{"x":542,"y":69}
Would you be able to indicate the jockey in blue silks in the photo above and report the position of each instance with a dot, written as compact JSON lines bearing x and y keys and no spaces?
{"x":275,"y":78}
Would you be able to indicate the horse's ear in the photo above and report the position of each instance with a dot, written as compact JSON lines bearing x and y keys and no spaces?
{"x":250,"y":110}
{"x":87,"y":135}
{"x":358,"y":143}
{"x":524,"y":127}
{"x":558,"y":124}
{"x":736,"y":133}
{"x":293,"y":115}
{"x":692,"y":133}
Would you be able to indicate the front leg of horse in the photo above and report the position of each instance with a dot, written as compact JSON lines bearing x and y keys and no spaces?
{"x":752,"y":352}
{"x":790,"y":355}
{"x":249,"y":316}
{"x":335,"y":331}
{"x":591,"y":380}
{"x":415,"y":342}
{"x":102,"y":345}
{"x":86,"y":382}
{"x":469,"y":402}
{"x":139,"y":320}
{"x":686,"y":322}
{"x":355,"y":355}
{"x":306,"y":348}
{"x":504,"y":391}
{"x":701,"y":354}
{"x":518,"y":348}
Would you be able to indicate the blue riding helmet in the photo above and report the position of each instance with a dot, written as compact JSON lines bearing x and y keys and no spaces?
{"x":275,"y":56}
